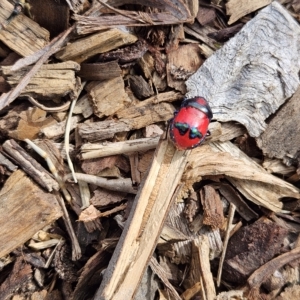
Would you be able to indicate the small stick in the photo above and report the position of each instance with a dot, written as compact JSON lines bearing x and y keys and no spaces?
{"x":160,"y":272}
{"x":51,"y":166}
{"x":19,"y":7}
{"x":89,"y":151}
{"x":50,"y":258}
{"x":85,"y":194}
{"x":225,"y":244}
{"x":76,"y":250}
{"x":265,"y":271}
{"x":120,"y":185}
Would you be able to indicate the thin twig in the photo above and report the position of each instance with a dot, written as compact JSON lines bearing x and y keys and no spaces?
{"x":89,"y":151}
{"x":120,"y":185}
{"x":50,"y":258}
{"x":76,"y":250}
{"x":226,"y":239}
{"x":45,"y":108}
{"x":68,"y":129}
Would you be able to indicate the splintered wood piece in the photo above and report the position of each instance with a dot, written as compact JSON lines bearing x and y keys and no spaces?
{"x":250,"y":179}
{"x":282,"y":136}
{"x":179,"y":68}
{"x":278,"y":167}
{"x":201,"y":267}
{"x":89,"y":151}
{"x":230,"y":130}
{"x":30,"y":166}
{"x":259,"y":276}
{"x":99,"y":71}
{"x":83,"y":106}
{"x":144,"y":224}
{"x":78,"y":6}
{"x":238,"y":9}
{"x":202,"y":34}
{"x":144,"y":107}
{"x":191,"y":292}
{"x":161,"y":273}
{"x":52,"y":80}
{"x":107,"y":96}
{"x":103,"y":197}
{"x":26,"y":209}
{"x":182,"y":250}
{"x":170,"y":234}
{"x":175,"y":12}
{"x":147,"y":113}
{"x":126,"y":54}
{"x":100,"y":42}
{"x":206,"y":15}
{"x":94,"y":166}
{"x":254,"y":73}
{"x":140,"y":87}
{"x":251,"y":247}
{"x":224,"y":34}
{"x":135,"y":118}
{"x":5,"y":162}
{"x":213,"y":207}
{"x":176,"y":35}
{"x":39,"y":59}
{"x":241,"y":206}
{"x":53,"y":153}
{"x":57,"y":130}
{"x":22,"y":34}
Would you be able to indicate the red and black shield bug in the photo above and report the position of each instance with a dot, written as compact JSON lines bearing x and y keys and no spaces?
{"x":189,"y":127}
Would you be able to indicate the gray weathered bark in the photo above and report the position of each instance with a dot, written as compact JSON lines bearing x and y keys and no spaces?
{"x":254,"y":73}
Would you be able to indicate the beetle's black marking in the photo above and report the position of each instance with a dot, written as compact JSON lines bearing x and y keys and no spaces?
{"x":195,"y":133}
{"x":204,"y":108}
{"x":182,"y":127}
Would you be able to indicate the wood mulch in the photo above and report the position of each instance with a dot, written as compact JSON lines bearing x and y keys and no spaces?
{"x":96,"y":202}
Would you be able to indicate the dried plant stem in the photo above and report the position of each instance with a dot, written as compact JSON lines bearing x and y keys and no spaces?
{"x":120,"y":185}
{"x":45,"y":108}
{"x":226,"y":239}
{"x":68,"y":129}
{"x":76,"y":250}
